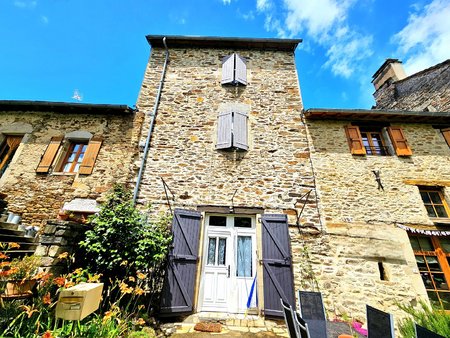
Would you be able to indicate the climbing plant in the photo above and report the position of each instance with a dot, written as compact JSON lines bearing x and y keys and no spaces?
{"x":123,"y":240}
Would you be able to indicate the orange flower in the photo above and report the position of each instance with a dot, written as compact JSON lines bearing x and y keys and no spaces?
{"x":131,"y":279}
{"x":42,"y":276}
{"x":60,"y":281}
{"x":140,"y":321}
{"x":138,"y":291}
{"x":47,"y":299}
{"x":13,"y":245}
{"x":94,"y":278}
{"x":47,"y":334}
{"x":29,"y":310}
{"x":125,"y":288}
{"x":64,"y":255}
{"x":3,"y":256}
{"x":141,"y":275}
{"x":107,"y":316}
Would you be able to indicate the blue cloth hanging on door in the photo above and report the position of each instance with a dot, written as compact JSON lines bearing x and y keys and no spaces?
{"x":253,"y":296}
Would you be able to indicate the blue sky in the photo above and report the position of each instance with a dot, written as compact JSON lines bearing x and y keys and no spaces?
{"x":51,"y":49}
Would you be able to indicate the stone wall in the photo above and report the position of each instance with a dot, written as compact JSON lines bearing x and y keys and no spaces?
{"x":272,"y":174}
{"x":361,"y":221}
{"x":426,"y":90}
{"x":38,"y":197}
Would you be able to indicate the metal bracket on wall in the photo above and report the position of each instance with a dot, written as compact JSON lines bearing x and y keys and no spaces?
{"x":166,"y":188}
{"x":299,"y":214}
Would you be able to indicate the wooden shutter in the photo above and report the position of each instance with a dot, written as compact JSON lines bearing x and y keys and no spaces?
{"x":228,"y":69}
{"x":355,"y":140}
{"x":224,"y":124}
{"x":179,"y":282}
{"x":49,"y":155}
{"x":446,"y":133}
{"x":240,"y":70}
{"x":399,"y":141}
{"x":277,"y":264}
{"x":240,"y":130}
{"x":90,"y":156}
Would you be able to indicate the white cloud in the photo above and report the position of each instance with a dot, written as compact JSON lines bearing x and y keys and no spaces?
{"x":77,"y":96}
{"x":425,"y":40}
{"x":226,"y":2}
{"x":250,"y":15}
{"x":325,"y":23}
{"x":25,"y":4}
{"x":44,"y":19}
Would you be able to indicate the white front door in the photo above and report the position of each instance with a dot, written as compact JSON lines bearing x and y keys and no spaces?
{"x":229,"y":263}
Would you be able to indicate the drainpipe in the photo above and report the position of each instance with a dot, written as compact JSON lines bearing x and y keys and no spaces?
{"x":152,"y":122}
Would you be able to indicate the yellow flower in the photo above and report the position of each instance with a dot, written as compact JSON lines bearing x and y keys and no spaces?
{"x":138,"y":291}
{"x":125,"y":262}
{"x":64,"y":255}
{"x":140,"y":321}
{"x":131,"y":279}
{"x":77,"y":271}
{"x":124,"y":288}
{"x":141,"y":275}
{"x":94,"y":278}
{"x":108,"y":315}
{"x":29,"y":310}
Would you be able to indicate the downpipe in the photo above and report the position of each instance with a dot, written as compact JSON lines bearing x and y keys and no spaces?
{"x":150,"y":129}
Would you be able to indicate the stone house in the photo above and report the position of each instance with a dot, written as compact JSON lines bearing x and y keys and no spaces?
{"x":427,"y":90}
{"x":228,"y":152}
{"x":57,"y":155}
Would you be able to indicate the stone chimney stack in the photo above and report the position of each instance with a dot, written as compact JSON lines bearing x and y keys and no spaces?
{"x":391,"y":70}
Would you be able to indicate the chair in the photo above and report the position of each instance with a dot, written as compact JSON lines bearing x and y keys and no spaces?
{"x":379,"y":324}
{"x":311,"y":309}
{"x":289,"y":319}
{"x":422,"y":332}
{"x":302,"y":326}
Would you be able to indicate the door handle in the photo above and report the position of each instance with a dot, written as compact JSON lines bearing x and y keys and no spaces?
{"x":228,"y":271}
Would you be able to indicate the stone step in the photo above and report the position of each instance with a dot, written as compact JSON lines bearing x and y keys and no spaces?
{"x":10,"y":226}
{"x":19,"y":233}
{"x":23,"y":246}
{"x":19,"y":253}
{"x":14,"y":238}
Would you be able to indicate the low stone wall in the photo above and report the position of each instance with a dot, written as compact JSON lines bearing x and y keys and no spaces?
{"x":57,"y":238}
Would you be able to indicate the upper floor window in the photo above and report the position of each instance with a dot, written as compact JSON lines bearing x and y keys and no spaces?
{"x":232,"y":130}
{"x":76,"y":153}
{"x":434,"y":202}
{"x":234,"y":70}
{"x":375,"y":140}
{"x":7,"y":150}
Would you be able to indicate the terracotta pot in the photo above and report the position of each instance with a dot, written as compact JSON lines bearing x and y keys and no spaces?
{"x":19,"y":287}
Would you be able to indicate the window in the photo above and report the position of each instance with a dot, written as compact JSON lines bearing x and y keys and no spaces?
{"x":434,"y":202}
{"x":70,"y":155}
{"x":232,"y":130}
{"x":373,"y":140}
{"x":446,"y":133}
{"x":433,"y":259}
{"x":234,"y":70}
{"x":74,"y":157}
{"x":7,"y":150}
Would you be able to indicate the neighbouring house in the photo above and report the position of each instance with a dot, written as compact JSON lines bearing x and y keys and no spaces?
{"x":228,"y":151}
{"x":427,"y":90}
{"x":55,"y":156}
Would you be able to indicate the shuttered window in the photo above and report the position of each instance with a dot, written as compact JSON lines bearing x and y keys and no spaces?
{"x":232,"y":130}
{"x":234,"y":70}
{"x":7,"y":150}
{"x":399,"y":141}
{"x":87,"y":166}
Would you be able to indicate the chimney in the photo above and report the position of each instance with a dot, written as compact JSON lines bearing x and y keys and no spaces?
{"x":391,"y":70}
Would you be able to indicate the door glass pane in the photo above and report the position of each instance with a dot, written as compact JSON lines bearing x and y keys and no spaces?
{"x":217,"y":221}
{"x":222,"y":251}
{"x":243,"y":222}
{"x":439,"y":281}
{"x":244,"y":256}
{"x":445,"y":244}
{"x":425,"y":244}
{"x":212,"y":251}
{"x":433,"y":264}
{"x":427,"y":280}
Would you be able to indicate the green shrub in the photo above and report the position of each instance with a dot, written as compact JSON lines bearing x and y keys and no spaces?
{"x":122,"y":240}
{"x":436,"y":320}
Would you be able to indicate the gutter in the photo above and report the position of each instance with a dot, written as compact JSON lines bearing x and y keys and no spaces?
{"x":152,"y":122}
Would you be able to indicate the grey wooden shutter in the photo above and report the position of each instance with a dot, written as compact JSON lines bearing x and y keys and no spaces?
{"x":277,"y":264}
{"x":179,"y":283}
{"x":224,"y":125}
{"x":240,"y":130}
{"x":240,"y":74}
{"x":228,"y":69}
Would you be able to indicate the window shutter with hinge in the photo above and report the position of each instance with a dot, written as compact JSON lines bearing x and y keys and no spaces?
{"x":240,"y":130}
{"x":446,"y":133}
{"x":224,"y":124}
{"x":355,"y":140}
{"x":240,"y":70}
{"x":228,"y":69}
{"x":90,"y":156}
{"x":49,"y":155}
{"x":399,"y":141}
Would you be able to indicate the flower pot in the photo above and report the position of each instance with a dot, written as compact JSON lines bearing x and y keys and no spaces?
{"x":19,"y":287}
{"x":345,"y":336}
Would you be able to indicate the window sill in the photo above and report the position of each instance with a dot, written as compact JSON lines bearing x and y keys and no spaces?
{"x":60,"y":173}
{"x":441,"y":221}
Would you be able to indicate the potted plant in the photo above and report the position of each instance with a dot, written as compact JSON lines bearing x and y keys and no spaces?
{"x":19,"y":275}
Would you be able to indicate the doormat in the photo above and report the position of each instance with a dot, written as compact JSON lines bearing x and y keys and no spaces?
{"x":208,"y":327}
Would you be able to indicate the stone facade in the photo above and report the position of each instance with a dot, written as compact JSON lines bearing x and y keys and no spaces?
{"x":365,"y":257}
{"x":38,"y":197}
{"x":427,"y":90}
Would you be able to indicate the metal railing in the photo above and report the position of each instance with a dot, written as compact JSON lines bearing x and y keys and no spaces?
{"x":378,"y":151}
